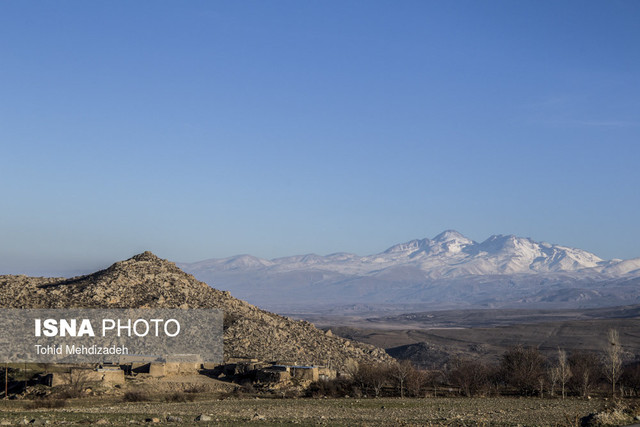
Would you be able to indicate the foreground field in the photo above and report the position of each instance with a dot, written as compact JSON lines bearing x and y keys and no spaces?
{"x":342,"y":412}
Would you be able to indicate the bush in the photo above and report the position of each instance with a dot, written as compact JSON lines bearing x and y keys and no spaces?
{"x":68,"y":393}
{"x":180,"y":397}
{"x":631,"y":377}
{"x":245,"y":389}
{"x":338,"y":387}
{"x":135,"y":396}
{"x":228,"y":320}
{"x":196,"y":389}
{"x":614,"y":417}
{"x":46,"y":403}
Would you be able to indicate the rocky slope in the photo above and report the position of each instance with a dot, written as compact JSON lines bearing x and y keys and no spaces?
{"x":148,"y":281}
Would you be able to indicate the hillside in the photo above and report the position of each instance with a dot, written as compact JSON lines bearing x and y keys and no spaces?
{"x":448,"y":271}
{"x":148,"y":281}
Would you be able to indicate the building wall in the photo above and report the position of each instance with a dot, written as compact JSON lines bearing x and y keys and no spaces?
{"x":305,"y":373}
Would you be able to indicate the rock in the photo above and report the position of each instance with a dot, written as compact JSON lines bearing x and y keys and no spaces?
{"x":5,"y":423}
{"x":152,"y":420}
{"x":102,"y":421}
{"x":173,"y":419}
{"x":258,"y":417}
{"x":203,"y":417}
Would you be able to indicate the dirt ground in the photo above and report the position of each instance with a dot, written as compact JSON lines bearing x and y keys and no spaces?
{"x":342,"y":412}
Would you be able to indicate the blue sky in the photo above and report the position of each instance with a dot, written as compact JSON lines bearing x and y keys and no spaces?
{"x":208,"y":129}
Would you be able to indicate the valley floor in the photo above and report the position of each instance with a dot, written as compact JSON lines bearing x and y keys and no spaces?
{"x":341,"y":412}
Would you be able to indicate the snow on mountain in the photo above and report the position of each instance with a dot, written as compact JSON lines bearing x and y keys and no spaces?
{"x":623,"y":267}
{"x":449,"y":267}
{"x":238,"y":262}
{"x":450,"y":254}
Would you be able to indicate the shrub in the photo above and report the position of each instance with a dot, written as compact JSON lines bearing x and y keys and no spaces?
{"x":228,"y":320}
{"x":245,"y":389}
{"x":631,"y":377}
{"x":135,"y":396}
{"x":615,"y":417}
{"x":179,"y":397}
{"x":68,"y":393}
{"x":46,"y":403}
{"x":338,"y":387}
{"x":196,"y":389}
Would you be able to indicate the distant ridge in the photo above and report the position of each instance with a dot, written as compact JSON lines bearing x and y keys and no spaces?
{"x":448,"y":271}
{"x":148,"y":281}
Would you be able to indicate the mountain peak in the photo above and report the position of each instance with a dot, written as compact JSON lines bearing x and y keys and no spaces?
{"x":409,"y":247}
{"x":449,"y":235}
{"x":145,"y":256}
{"x":144,"y":263}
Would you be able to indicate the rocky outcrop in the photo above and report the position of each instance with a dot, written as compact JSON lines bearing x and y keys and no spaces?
{"x":146,"y":281}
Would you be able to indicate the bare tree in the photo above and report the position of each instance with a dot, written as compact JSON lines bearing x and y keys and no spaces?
{"x":521,"y":367}
{"x":613,"y":359}
{"x":585,"y":367}
{"x":417,"y":382}
{"x":554,"y":376}
{"x":350,"y":368}
{"x":372,"y":376}
{"x":438,"y":378}
{"x":564,"y":371}
{"x":631,"y":377}
{"x":76,"y":380}
{"x":379,"y":374}
{"x":471,"y":376}
{"x":400,"y":372}
{"x":356,"y":372}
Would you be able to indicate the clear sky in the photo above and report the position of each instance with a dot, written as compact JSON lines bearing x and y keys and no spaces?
{"x":208,"y":129}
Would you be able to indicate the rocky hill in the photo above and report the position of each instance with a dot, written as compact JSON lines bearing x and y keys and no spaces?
{"x":146,"y":281}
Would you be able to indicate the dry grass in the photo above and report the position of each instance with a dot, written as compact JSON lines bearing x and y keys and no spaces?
{"x":341,"y":412}
{"x":46,"y":403}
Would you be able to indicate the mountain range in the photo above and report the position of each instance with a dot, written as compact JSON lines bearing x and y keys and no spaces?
{"x":448,"y":271}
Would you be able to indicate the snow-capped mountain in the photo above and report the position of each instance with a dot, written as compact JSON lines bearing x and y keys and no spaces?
{"x":449,"y":270}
